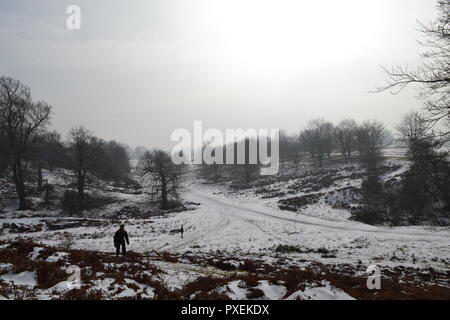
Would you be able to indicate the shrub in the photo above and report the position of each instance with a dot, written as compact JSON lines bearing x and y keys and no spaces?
{"x":83,"y":294}
{"x":367,"y":215}
{"x":287,"y":249}
{"x":69,"y":202}
{"x":49,"y":274}
{"x":254,"y":293}
{"x":68,"y":241}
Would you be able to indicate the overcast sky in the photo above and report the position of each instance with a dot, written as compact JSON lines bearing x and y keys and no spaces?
{"x":137,"y":70}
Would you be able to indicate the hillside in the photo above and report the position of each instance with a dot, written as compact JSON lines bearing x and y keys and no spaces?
{"x":233,"y":236}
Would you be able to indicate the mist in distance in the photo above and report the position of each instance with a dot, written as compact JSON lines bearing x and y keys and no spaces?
{"x":137,"y":71}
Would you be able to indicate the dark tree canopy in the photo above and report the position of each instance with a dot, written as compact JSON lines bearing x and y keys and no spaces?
{"x":115,"y":161}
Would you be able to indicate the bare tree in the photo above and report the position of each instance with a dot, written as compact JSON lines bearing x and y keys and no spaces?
{"x":315,"y":139}
{"x":164,"y":176}
{"x":307,"y":138}
{"x":327,"y":132}
{"x":50,"y":150}
{"x":21,"y":121}
{"x":346,"y":137}
{"x":295,"y":152}
{"x":290,"y":147}
{"x":319,"y":137}
{"x":116,"y":163}
{"x":433,"y":76}
{"x":415,"y":133}
{"x":372,"y":142}
{"x":4,"y":156}
{"x":84,"y":151}
{"x":429,"y":165}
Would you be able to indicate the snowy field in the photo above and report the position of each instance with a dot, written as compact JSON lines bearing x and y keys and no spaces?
{"x":234,"y":225}
{"x":245,"y":225}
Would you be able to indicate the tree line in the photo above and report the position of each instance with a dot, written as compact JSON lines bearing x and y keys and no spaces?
{"x":27,"y":147}
{"x":318,"y":141}
{"x":424,"y":190}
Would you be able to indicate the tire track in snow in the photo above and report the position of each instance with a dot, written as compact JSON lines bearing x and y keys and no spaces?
{"x":225,"y":213}
{"x":330,"y":225}
{"x":190,"y":240}
{"x":253,"y":222}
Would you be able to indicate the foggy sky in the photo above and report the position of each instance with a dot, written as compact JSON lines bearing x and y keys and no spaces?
{"x":137,"y":70}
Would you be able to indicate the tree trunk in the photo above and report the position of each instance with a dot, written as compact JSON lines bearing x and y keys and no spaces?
{"x":164,"y":197}
{"x":39,"y":177}
{"x":22,"y":198}
{"x":20,"y":186}
{"x":80,"y":191}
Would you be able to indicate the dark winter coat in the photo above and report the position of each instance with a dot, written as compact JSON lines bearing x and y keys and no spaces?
{"x":120,"y":237}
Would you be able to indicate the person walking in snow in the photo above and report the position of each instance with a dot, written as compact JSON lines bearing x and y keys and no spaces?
{"x":119,"y":240}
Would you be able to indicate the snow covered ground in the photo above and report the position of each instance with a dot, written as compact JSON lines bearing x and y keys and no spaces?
{"x":238,"y":224}
{"x":243,"y":225}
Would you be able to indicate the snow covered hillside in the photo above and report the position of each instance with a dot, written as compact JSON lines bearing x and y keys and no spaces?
{"x":270,"y":227}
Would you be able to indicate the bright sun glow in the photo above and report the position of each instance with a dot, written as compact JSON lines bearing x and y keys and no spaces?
{"x":276,"y":35}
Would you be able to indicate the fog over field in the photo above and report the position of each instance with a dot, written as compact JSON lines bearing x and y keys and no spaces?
{"x":137,"y":71}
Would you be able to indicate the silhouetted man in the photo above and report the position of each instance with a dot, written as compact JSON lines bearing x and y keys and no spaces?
{"x":119,"y":240}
